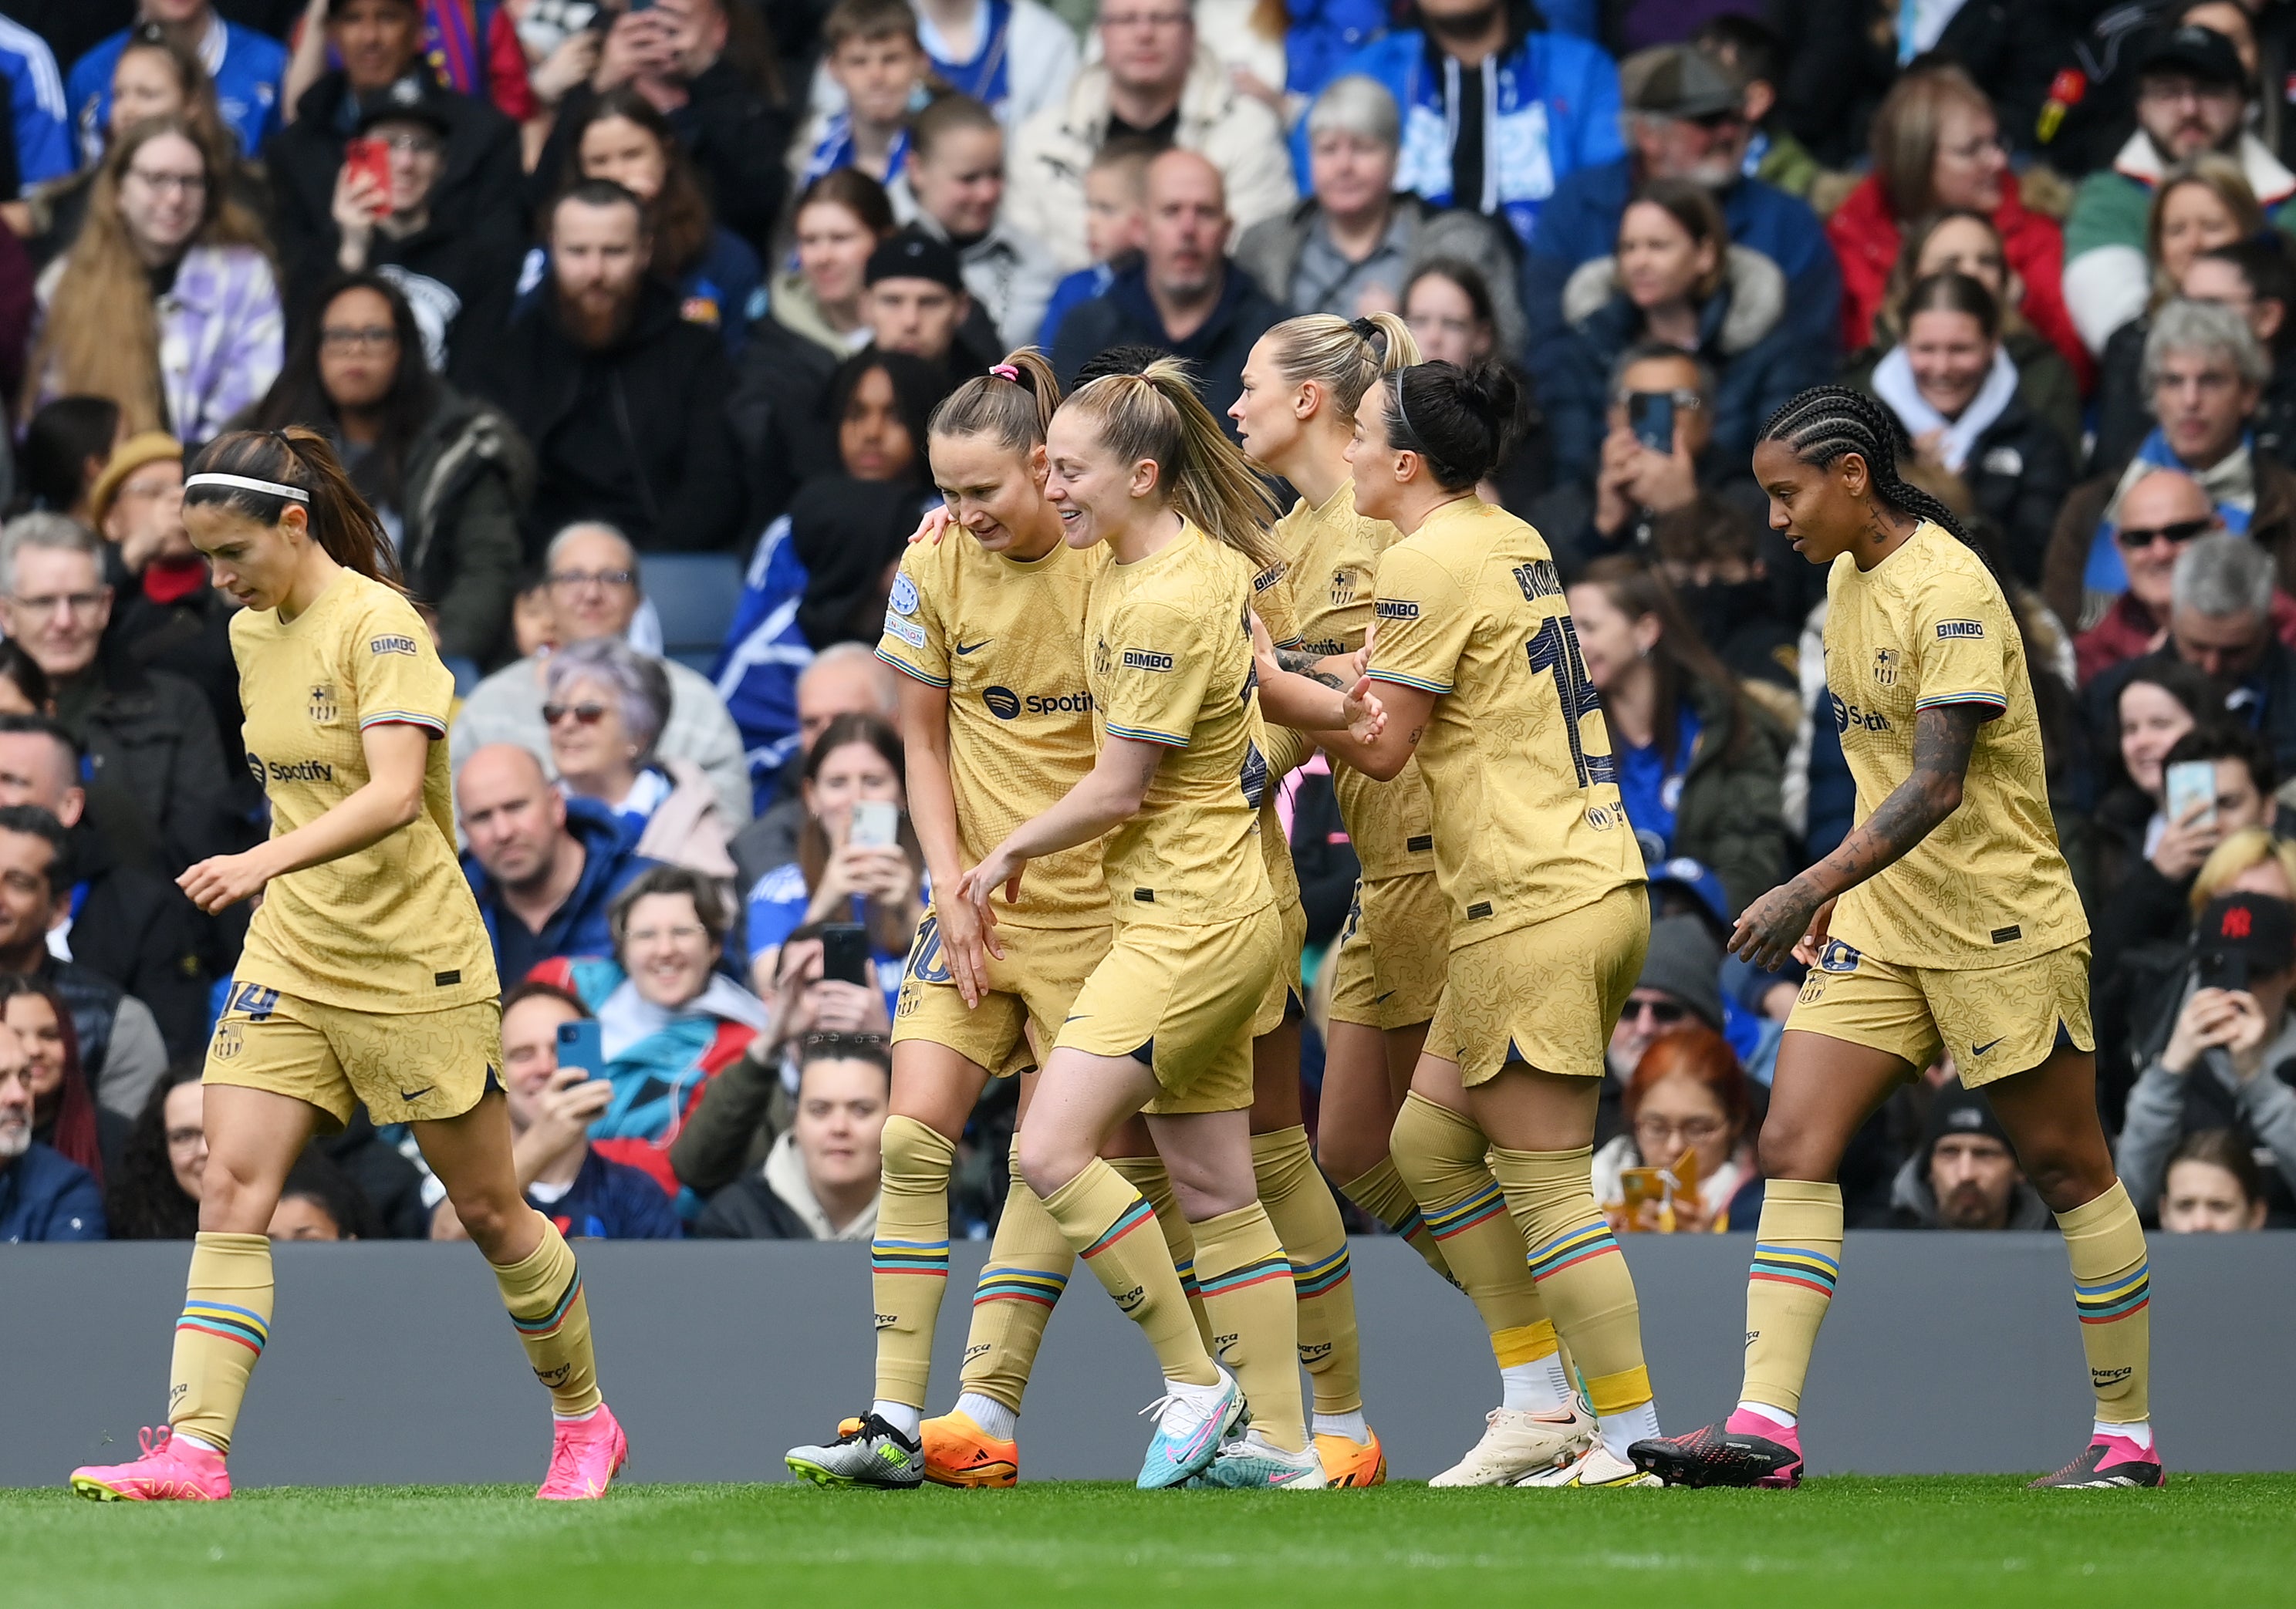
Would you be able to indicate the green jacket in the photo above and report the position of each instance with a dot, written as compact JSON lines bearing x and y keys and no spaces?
{"x":1788,"y":164}
{"x":1730,"y":818}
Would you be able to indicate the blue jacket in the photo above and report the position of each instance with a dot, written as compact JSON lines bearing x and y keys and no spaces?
{"x":37,"y":110}
{"x":579,"y":927}
{"x":1072,"y":293}
{"x":45,"y":1197}
{"x":765,"y":652}
{"x":1558,"y":113}
{"x":1580,"y":223}
{"x":611,"y":1201}
{"x":246,"y":82}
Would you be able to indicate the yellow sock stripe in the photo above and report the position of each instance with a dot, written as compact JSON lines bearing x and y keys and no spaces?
{"x":1524,"y":1343}
{"x":1615,"y":1393}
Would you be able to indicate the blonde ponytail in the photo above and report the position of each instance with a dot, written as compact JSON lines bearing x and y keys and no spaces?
{"x":1013,"y":403}
{"x":1156,"y":414}
{"x":1345,"y":356}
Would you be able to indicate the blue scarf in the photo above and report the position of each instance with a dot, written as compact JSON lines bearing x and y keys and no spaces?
{"x":2230,"y":483}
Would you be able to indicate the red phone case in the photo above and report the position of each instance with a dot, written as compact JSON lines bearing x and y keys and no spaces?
{"x":372,"y":158}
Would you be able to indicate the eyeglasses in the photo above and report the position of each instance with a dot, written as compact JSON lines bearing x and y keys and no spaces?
{"x":584,"y":715}
{"x":1145,"y":22}
{"x":2136,"y":538}
{"x":568,"y":580}
{"x":185,"y":183}
{"x":367,"y":338}
{"x":411,"y":144}
{"x":1663,"y":1012}
{"x":78,"y":604}
{"x":1691,"y":1131}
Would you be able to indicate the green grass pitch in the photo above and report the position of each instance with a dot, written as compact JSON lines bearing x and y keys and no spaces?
{"x":1848,"y":1543}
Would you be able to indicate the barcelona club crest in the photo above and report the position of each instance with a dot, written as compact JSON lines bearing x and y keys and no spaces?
{"x":1885,"y":666}
{"x":324,"y":708}
{"x":1343,"y":588}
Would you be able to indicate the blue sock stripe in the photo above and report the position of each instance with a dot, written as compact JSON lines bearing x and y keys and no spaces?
{"x":1592,"y":1241}
{"x":1131,"y":1219}
{"x":1317,"y":1278}
{"x":1251,"y":1273}
{"x":1763,"y":1248}
{"x":1449,"y":1221}
{"x":222,"y":1312}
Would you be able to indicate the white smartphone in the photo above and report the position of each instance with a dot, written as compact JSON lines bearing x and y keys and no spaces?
{"x":2191,"y":782}
{"x":877,"y":823}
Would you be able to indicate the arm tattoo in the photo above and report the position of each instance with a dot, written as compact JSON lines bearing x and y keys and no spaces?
{"x":1301,"y":663}
{"x":1943,"y":736}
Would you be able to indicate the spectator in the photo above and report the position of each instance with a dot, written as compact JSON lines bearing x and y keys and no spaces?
{"x":39,"y":116}
{"x":1687,"y":1098}
{"x":1017,"y":58}
{"x":1684,"y":121}
{"x":1711,"y":553}
{"x":1156,"y":80}
{"x":380,"y":46}
{"x":856,"y":758}
{"x":872,"y":54}
{"x":1675,"y":278}
{"x":2213,"y":1186}
{"x":2198,"y":206}
{"x":456,"y":272}
{"x":1185,"y":296}
{"x":1497,"y":110}
{"x":63,"y":454}
{"x":23,"y":685}
{"x":119,"y":1039}
{"x":953,"y":187}
{"x":1937,"y":146}
{"x":918,"y":303}
{"x":670,"y":1021}
{"x":166,"y":615}
{"x":1698,"y":770}
{"x":2162,"y":513}
{"x":2205,"y":374}
{"x":846,"y":679}
{"x":1753,"y":54}
{"x":1958,"y":240}
{"x":155,"y":1193}
{"x":551,"y":1109}
{"x":820,"y":1181}
{"x":1353,"y":244}
{"x":1965,"y":1175}
{"x":1680,"y":980}
{"x":447,"y":473}
{"x":1953,"y":386}
{"x":43,"y":1197}
{"x":840,"y":220}
{"x":65,"y":1116}
{"x":319,"y":1201}
{"x":718,"y":278}
{"x":2230,"y":1060}
{"x":605,"y":704}
{"x":123,"y":922}
{"x":1115,"y":226}
{"x":2256,"y":280}
{"x":147,"y":735}
{"x":2191,"y":98}
{"x":708,"y":66}
{"x":153,"y":77}
{"x":245,"y":64}
{"x":593,"y":576}
{"x":166,"y":303}
{"x":623,"y":402}
{"x":2160,"y":702}
{"x":1843,"y":61}
{"x":546,"y":865}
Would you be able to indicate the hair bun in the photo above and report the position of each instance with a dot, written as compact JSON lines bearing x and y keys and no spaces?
{"x":1492,"y":390}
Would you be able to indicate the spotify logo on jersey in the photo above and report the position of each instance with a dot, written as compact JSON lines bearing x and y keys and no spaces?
{"x":1002,"y":702}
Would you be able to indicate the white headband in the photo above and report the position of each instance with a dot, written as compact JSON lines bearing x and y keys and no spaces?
{"x":269,"y":487}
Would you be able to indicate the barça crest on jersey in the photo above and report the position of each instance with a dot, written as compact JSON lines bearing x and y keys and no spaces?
{"x":229,"y":1041}
{"x":1103,"y":663}
{"x":1343,"y":588}
{"x":1885,"y":666}
{"x":323,"y":706}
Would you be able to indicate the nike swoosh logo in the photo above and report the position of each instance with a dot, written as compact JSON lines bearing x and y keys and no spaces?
{"x":1079,"y":1017}
{"x":418,"y":1094}
{"x":1981,"y":1049}
{"x":974,"y":648}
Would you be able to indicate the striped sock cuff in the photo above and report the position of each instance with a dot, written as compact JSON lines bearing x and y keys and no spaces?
{"x":547,"y":1323}
{"x":1795,"y":1265}
{"x":1138,"y":1215}
{"x":251,"y":1330}
{"x":1321,"y":1277}
{"x":2114,"y":1298}
{"x":1258,"y":1273}
{"x":1572,"y":1248}
{"x":1186,"y":1269}
{"x":1041,"y":1287}
{"x":928,"y":1257}
{"x":1460,"y":1216}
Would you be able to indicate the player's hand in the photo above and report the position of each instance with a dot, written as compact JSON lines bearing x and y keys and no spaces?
{"x":933,"y":526}
{"x":1000,"y":869}
{"x":2185,"y":843}
{"x":1775,"y":926}
{"x":222,"y":881}
{"x":1360,"y":662}
{"x":960,"y":946}
{"x":1813,"y":943}
{"x":1367,"y":715}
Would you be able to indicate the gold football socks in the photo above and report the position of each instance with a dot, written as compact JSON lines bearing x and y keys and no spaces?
{"x":226,"y":1324}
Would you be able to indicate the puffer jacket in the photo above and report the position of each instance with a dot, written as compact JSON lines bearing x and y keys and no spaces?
{"x":1270,"y":250}
{"x":469,"y":474}
{"x":1729,"y":817}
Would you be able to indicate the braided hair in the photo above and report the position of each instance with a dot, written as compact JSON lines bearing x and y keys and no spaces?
{"x":1826,"y":423}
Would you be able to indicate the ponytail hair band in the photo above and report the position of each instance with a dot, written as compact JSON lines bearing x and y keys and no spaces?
{"x":1006,"y":372}
{"x":241,"y":483}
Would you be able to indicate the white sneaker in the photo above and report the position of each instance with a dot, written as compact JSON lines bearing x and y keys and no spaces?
{"x":1251,"y":1460}
{"x":1517,"y":1443}
{"x":1595,"y":1467}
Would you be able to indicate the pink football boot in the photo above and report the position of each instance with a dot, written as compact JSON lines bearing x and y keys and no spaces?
{"x":585,"y":1457}
{"x":171,"y":1471}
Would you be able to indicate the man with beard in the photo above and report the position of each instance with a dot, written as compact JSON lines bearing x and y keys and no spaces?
{"x":1964,"y":1176}
{"x":43,"y":1195}
{"x":1185,"y":295}
{"x":2192,"y":97}
{"x":623,"y":401}
{"x":1496,"y":113}
{"x":1685,"y":119}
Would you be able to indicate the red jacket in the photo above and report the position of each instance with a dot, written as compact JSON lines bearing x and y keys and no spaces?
{"x":1866,"y":238}
{"x":2129,"y":632}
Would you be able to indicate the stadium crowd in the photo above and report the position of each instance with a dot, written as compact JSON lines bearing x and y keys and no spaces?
{"x":628,"y":318}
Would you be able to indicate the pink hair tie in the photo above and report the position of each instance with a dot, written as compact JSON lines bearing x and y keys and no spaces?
{"x":1006,"y":372}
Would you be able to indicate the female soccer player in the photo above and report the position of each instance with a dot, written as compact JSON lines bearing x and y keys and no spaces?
{"x":1945,"y":922}
{"x":366,"y":974}
{"x":1474,"y":653}
{"x":1164,"y":1024}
